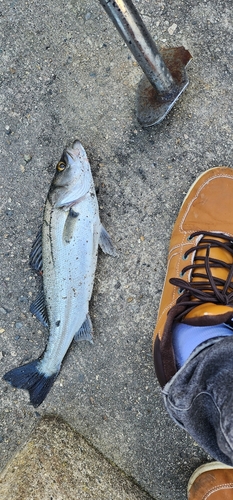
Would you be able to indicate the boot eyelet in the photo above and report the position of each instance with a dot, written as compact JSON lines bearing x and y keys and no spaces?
{"x":180,"y":291}
{"x":181,"y":274}
{"x":184,"y":257}
{"x":189,"y":238}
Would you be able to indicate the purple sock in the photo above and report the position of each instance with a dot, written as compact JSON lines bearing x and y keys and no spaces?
{"x":186,"y":337}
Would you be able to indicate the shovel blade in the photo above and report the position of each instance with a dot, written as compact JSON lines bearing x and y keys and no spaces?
{"x":153,"y":107}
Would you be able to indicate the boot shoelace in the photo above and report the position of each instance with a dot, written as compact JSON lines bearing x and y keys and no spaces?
{"x":210,"y":288}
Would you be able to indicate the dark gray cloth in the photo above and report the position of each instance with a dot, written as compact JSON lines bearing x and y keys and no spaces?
{"x":199,"y":397}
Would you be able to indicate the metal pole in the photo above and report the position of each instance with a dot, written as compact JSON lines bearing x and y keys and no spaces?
{"x":165,"y":77}
{"x":131,"y":27}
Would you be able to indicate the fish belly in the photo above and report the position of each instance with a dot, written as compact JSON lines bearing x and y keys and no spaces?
{"x":68,"y":275}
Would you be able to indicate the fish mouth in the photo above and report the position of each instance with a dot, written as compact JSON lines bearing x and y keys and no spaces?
{"x":68,"y":152}
{"x":76,"y":150}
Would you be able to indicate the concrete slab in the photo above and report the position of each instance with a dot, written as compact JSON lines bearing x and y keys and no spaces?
{"x":57,"y":463}
{"x":66,"y":73}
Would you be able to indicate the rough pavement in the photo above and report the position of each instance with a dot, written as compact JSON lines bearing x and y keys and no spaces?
{"x":67,"y":74}
{"x":57,"y":463}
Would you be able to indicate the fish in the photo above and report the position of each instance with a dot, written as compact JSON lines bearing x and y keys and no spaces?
{"x":65,"y":253}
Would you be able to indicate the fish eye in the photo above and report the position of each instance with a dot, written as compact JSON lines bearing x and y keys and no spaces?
{"x":61,"y":166}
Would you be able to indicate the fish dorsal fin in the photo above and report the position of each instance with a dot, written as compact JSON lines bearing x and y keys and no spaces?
{"x":105,"y":243}
{"x":38,"y":308}
{"x":85,"y":332}
{"x":35,"y":257}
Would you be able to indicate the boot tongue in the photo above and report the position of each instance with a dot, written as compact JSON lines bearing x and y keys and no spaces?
{"x":209,"y":314}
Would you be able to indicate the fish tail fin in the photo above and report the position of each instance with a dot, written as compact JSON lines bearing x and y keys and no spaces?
{"x":30,"y":377}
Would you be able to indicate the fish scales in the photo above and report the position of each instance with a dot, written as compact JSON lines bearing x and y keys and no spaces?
{"x":69,"y":273}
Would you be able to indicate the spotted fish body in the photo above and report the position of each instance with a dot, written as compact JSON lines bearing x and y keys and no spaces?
{"x":70,"y":245}
{"x":66,"y":251}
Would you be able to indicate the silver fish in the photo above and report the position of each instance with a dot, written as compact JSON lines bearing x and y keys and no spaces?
{"x":65,"y":250}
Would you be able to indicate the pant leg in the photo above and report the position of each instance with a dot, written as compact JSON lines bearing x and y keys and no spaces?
{"x":199,"y":397}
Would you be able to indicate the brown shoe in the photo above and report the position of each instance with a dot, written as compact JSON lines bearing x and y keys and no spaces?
{"x":212,"y":481}
{"x":198,"y":288}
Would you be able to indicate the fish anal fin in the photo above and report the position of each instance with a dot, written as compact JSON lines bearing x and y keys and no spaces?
{"x":39,"y":310}
{"x":105,"y":243}
{"x":85,"y":332}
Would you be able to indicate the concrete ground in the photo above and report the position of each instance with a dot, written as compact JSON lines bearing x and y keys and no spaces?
{"x":65,"y":74}
{"x":45,"y":468}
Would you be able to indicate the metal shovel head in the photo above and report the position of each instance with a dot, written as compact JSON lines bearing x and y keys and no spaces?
{"x":152,"y":107}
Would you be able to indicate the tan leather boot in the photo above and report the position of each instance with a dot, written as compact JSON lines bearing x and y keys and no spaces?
{"x":198,"y":287}
{"x":212,"y":481}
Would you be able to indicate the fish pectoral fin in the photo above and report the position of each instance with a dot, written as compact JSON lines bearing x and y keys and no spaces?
{"x":105,"y":243}
{"x":85,"y":332}
{"x":70,"y":225}
{"x":35,"y":257}
{"x":38,"y":308}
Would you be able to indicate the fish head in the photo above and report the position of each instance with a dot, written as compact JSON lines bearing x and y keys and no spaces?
{"x":73,"y":178}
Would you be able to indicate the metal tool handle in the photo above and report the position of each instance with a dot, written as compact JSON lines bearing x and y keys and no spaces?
{"x":131,"y":27}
